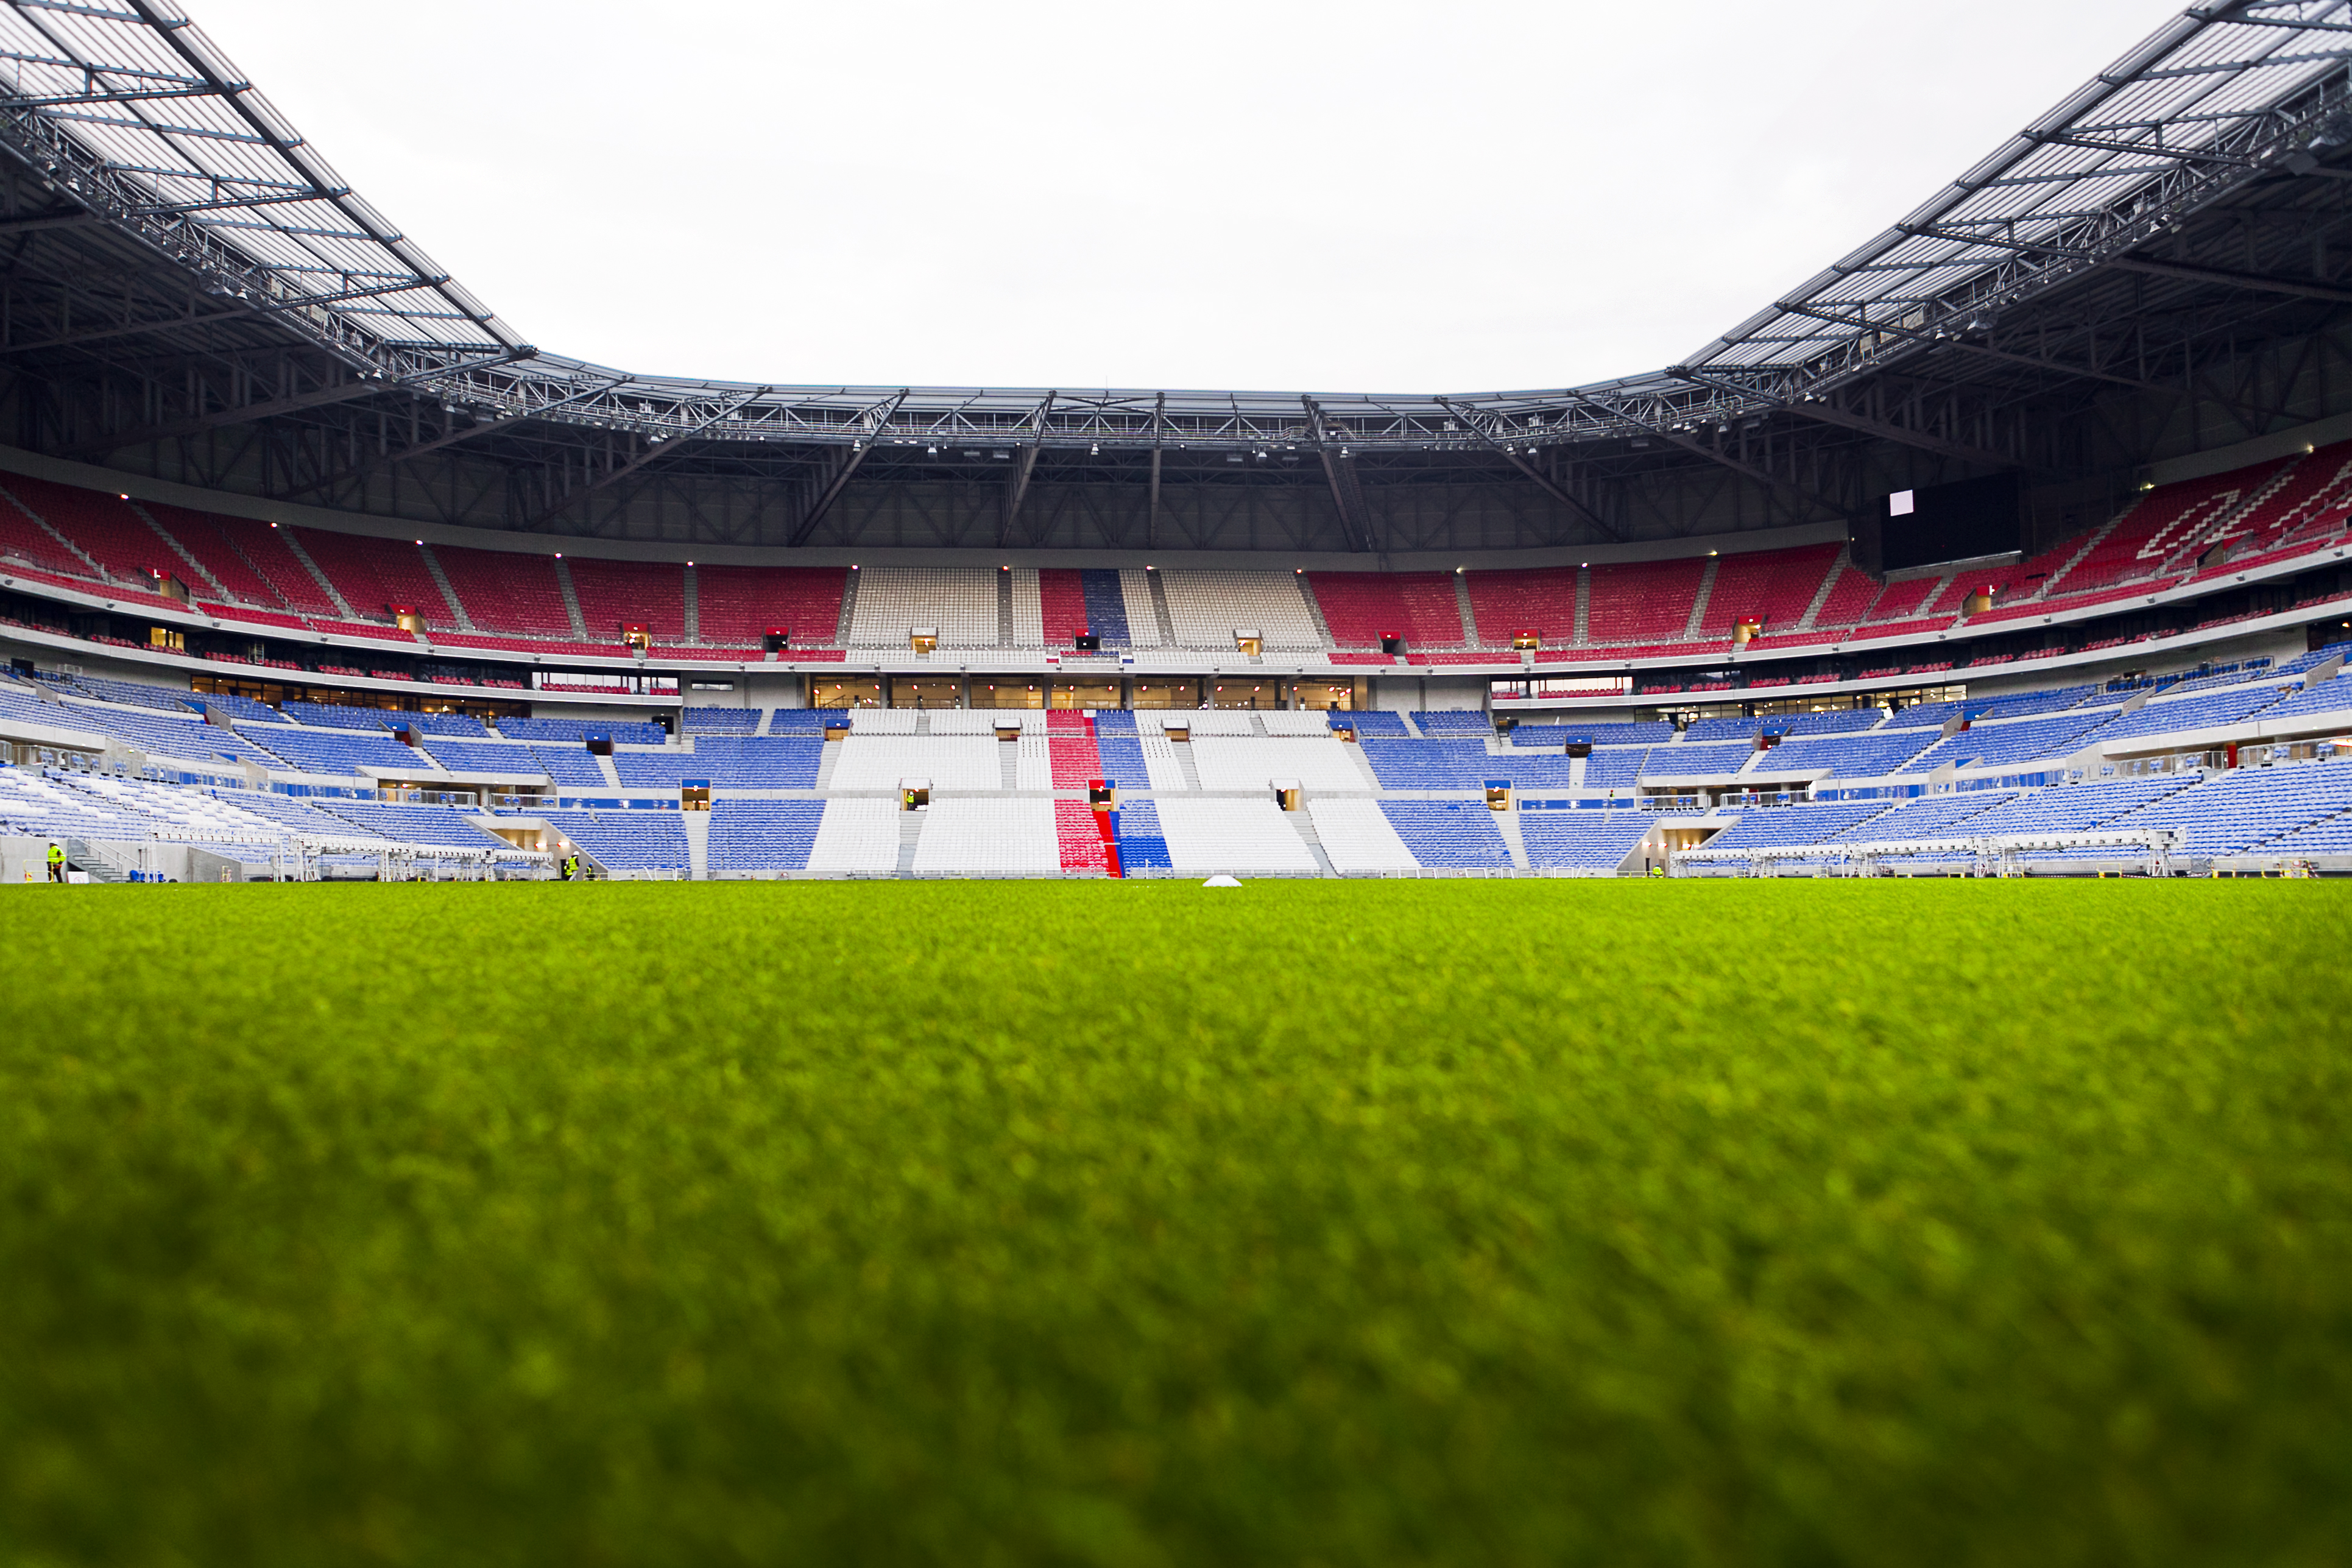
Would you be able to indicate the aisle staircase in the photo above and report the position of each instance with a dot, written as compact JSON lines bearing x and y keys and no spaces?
{"x":571,"y":599}
{"x":1506,"y":823}
{"x":1304,"y":823}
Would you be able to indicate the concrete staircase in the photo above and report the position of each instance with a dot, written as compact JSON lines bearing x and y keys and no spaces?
{"x":1305,"y":823}
{"x":335,"y":594}
{"x":441,"y":581}
{"x":210,"y":585}
{"x":1314,"y":610}
{"x":1506,"y":823}
{"x":693,"y":628}
{"x":1691,"y":632}
{"x":1583,"y":609}
{"x":1471,"y":636}
{"x":1191,"y":769}
{"x":97,"y":572}
{"x":2091,"y":542}
{"x":910,"y":832}
{"x":697,"y":844}
{"x":848,"y":610}
{"x":1159,"y":611}
{"x":81,"y":855}
{"x":1822,"y":595}
{"x":571,"y":599}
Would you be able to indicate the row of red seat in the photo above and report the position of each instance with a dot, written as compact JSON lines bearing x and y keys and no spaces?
{"x":350,"y":585}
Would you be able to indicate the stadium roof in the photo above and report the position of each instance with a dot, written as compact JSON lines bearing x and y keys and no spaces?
{"x":133,"y":136}
{"x":149,"y":125}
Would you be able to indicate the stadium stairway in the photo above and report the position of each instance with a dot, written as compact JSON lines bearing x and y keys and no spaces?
{"x":1305,"y":823}
{"x":1192,"y":770}
{"x":83,"y":856}
{"x":910,"y":832}
{"x":697,"y":844}
{"x":1506,"y":823}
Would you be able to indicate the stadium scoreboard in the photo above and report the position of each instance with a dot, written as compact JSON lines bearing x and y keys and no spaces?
{"x":1968,"y":519}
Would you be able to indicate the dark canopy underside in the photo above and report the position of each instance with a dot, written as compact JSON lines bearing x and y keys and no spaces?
{"x":2161,"y":264}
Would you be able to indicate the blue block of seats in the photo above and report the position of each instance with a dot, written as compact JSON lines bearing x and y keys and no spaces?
{"x":764,"y":835}
{"x":1443,"y":833}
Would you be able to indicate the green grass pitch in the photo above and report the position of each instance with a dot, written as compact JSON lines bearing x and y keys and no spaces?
{"x":1612,"y":1223}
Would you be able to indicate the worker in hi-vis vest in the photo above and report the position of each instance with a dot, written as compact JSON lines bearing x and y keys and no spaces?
{"x":572,"y":867}
{"x":56,"y":864}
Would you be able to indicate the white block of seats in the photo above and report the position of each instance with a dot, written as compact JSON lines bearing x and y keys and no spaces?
{"x":1028,"y":608}
{"x":882,"y":721}
{"x":1358,"y":836}
{"x":1159,"y":764}
{"x":1032,"y":765}
{"x":959,"y":602}
{"x":1206,"y":835}
{"x":1142,"y":620}
{"x":1290,"y":724}
{"x":1220,"y":722}
{"x":950,"y":762}
{"x":1028,"y":721}
{"x":1321,"y":765}
{"x":1207,"y":607}
{"x":964,"y":721}
{"x":856,"y":836}
{"x":1010,"y":836}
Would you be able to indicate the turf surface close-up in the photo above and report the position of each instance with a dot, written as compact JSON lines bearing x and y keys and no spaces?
{"x":1456,"y":1222}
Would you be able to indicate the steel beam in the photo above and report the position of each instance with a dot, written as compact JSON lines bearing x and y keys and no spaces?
{"x":1151,"y":518}
{"x":2187,"y":273}
{"x":1674,"y":437}
{"x":654,"y":450}
{"x":1828,"y":415}
{"x":30,"y":223}
{"x":387,"y":459}
{"x":1017,"y":487}
{"x":130,"y":329}
{"x":850,"y":462}
{"x":1591,"y":517}
{"x":342,"y":392}
{"x":1930,"y":340}
{"x":1339,"y":472}
{"x":198,"y":424}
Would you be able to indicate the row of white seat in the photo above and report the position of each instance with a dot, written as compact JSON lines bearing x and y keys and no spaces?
{"x":1149,"y":720}
{"x":1223,"y":763}
{"x":1017,"y":837}
{"x":962,"y":606}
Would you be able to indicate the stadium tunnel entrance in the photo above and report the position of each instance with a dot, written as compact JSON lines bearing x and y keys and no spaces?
{"x":1661,"y":845}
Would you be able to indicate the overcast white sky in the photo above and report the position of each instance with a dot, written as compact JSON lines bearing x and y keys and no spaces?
{"x":1365,"y":196}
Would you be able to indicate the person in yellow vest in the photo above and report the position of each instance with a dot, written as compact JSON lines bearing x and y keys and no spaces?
{"x":572,"y":867}
{"x":1657,"y":871}
{"x":56,"y":864}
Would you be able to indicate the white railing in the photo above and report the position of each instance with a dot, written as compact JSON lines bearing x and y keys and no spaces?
{"x":1999,"y":852}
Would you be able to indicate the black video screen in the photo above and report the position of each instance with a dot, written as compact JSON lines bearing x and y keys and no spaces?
{"x":1958,"y":521}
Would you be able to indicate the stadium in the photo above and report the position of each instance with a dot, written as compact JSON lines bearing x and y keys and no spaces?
{"x":314,"y":567}
{"x":1451,"y":1190}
